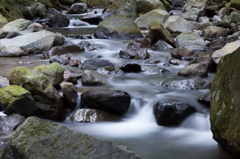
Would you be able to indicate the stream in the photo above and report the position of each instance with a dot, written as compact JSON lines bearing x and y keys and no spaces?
{"x":138,"y":129}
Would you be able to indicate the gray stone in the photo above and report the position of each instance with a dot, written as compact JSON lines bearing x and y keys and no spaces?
{"x":93,"y":78}
{"x":16,"y":28}
{"x":78,"y":8}
{"x":190,"y":40}
{"x":200,"y":4}
{"x":11,"y":122}
{"x":110,"y":70}
{"x":92,"y":115}
{"x":59,"y":59}
{"x":4,"y":82}
{"x":214,"y":32}
{"x":94,"y":64}
{"x":194,"y":70}
{"x":3,"y":21}
{"x":47,"y":140}
{"x":145,"y":6}
{"x":192,"y":14}
{"x":176,"y":24}
{"x":162,"y":45}
{"x":70,"y":95}
{"x":234,"y":17}
{"x":158,"y":15}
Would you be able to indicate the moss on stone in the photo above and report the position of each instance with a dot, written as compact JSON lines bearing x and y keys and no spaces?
{"x":235,"y":4}
{"x":166,"y":5}
{"x":52,"y":4}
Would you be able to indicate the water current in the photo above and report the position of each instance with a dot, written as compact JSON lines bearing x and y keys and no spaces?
{"x":138,"y":129}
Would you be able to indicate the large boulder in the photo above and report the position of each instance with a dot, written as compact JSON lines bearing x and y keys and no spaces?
{"x":224,"y":113}
{"x":145,"y":6}
{"x":46,"y":97}
{"x":15,"y":99}
{"x":190,"y":40}
{"x":194,"y":70}
{"x":118,"y":27}
{"x":58,"y":21}
{"x":158,"y":15}
{"x":94,"y":64}
{"x":172,"y":112}
{"x":70,"y":95}
{"x":32,"y":43}
{"x":127,"y":8}
{"x":3,"y":21}
{"x":227,"y":49}
{"x":54,"y":72}
{"x":46,"y":139}
{"x":200,"y":4}
{"x":214,"y":32}
{"x":16,"y":28}
{"x":188,"y":84}
{"x":92,"y":115}
{"x":113,"y":101}
{"x":158,"y":32}
{"x":93,"y":78}
{"x":78,"y":8}
{"x":176,"y":24}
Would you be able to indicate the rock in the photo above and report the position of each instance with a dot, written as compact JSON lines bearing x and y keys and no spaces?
{"x":94,"y":64}
{"x":68,"y":2}
{"x":112,"y":101}
{"x":78,"y":8}
{"x":172,"y":112}
{"x":70,"y":95}
{"x":223,"y":25}
{"x":16,"y":28}
{"x":214,"y":32}
{"x":4,"y":82}
{"x":227,"y":49}
{"x":161,"y":45}
{"x":69,"y":48}
{"x":158,"y":32}
{"x":131,"y":67}
{"x":190,"y":40}
{"x":200,"y":4}
{"x":110,"y":70}
{"x":176,"y":24}
{"x":54,"y":72}
{"x":194,"y":70}
{"x":189,"y":84}
{"x":74,"y":70}
{"x":35,"y":43}
{"x":74,"y":62}
{"x":234,"y":17}
{"x":93,"y":19}
{"x":134,"y":54}
{"x":93,"y":78}
{"x":59,"y":59}
{"x":152,"y":61}
{"x":85,"y":43}
{"x":69,"y":77}
{"x":80,"y":23}
{"x":192,"y":14}
{"x":160,"y":71}
{"x":11,"y":51}
{"x":139,"y":43}
{"x":158,"y":15}
{"x":181,"y":53}
{"x":3,"y":21}
{"x":52,"y":12}
{"x":118,"y":27}
{"x":11,"y":122}
{"x":46,"y":97}
{"x":205,"y":99}
{"x":145,"y":6}
{"x":37,"y":9}
{"x":219,"y":43}
{"x":92,"y":116}
{"x":127,"y":8}
{"x":59,"y":142}
{"x":234,"y":4}
{"x":225,"y":104}
{"x":211,"y":10}
{"x":206,"y":60}
{"x":174,"y":61}
{"x":15,"y":99}
{"x":58,"y":21}
{"x":37,"y":27}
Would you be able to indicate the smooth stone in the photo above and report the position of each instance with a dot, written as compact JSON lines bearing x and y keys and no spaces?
{"x":93,"y":78}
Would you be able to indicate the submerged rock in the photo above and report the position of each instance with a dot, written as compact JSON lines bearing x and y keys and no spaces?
{"x":92,"y":115}
{"x":15,"y":99}
{"x":224,"y":112}
{"x":189,"y":84}
{"x":110,"y":70}
{"x":113,"y":101}
{"x":46,"y":139}
{"x":172,"y":112}
{"x":118,"y":27}
{"x":131,"y":67}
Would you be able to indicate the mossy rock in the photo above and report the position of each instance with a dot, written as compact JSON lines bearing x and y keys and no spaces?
{"x":167,"y":5}
{"x":52,"y":4}
{"x":225,"y":104}
{"x":15,"y":99}
{"x":223,"y":24}
{"x":235,"y":4}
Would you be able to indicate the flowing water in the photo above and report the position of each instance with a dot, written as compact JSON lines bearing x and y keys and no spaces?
{"x":138,"y":129}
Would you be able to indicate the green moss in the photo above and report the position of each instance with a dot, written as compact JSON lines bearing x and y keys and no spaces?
{"x":166,"y":5}
{"x":235,"y":4}
{"x":52,"y":4}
